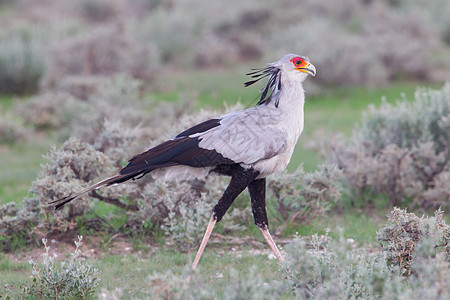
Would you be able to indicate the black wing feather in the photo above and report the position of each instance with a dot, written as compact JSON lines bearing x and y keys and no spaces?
{"x":202,"y":127}
{"x":179,"y":151}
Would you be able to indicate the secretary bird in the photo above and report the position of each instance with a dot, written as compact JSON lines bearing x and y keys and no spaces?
{"x":247,"y":145}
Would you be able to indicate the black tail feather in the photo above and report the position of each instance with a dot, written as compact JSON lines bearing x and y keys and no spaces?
{"x":62,"y":202}
{"x":109,"y":181}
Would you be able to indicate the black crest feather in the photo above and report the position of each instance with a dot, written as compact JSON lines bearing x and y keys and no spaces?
{"x":273,"y":84}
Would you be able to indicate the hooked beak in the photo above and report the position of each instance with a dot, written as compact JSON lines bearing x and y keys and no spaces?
{"x":308,"y":68}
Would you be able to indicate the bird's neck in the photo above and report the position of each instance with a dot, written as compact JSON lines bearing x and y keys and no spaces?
{"x":290,"y":103}
{"x":291,"y":96}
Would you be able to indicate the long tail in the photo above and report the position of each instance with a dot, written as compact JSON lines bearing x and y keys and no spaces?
{"x":108,"y":181}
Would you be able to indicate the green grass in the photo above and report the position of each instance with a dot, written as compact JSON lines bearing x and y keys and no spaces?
{"x":132,"y":273}
{"x":19,"y":166}
{"x":6,"y":102}
{"x":347,"y":224}
{"x":219,"y":264}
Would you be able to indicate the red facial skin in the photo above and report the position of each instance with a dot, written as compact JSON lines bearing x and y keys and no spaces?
{"x":298,"y":62}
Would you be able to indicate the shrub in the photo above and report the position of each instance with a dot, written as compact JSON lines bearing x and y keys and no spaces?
{"x":97,"y":10}
{"x":82,"y":86}
{"x":111,"y":141}
{"x":363,"y":49}
{"x":73,"y":278}
{"x":324,"y":268}
{"x":106,"y":50}
{"x":187,"y":216}
{"x":10,"y":131}
{"x":22,"y":64}
{"x":301,"y":197}
{"x":51,"y":110}
{"x":405,"y":231}
{"x":157,"y":36}
{"x":68,"y":170}
{"x":108,"y":111}
{"x":17,"y":226}
{"x":171,"y":32}
{"x":401,"y":150}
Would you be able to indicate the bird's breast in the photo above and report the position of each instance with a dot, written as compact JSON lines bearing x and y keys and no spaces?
{"x":290,"y":117}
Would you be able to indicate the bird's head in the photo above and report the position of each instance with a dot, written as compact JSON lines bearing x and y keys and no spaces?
{"x":293,"y":64}
{"x":290,"y":66}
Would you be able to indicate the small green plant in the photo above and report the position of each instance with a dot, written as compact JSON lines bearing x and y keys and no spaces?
{"x":72,"y":279}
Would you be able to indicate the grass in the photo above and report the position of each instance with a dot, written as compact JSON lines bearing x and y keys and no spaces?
{"x":133,"y":273}
{"x":20,"y":165}
{"x":138,"y":270}
{"x":220,"y":264}
{"x":346,"y":225}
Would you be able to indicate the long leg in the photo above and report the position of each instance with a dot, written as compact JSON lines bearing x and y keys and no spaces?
{"x":239,"y":181}
{"x":257,"y":190}
{"x":205,"y":239}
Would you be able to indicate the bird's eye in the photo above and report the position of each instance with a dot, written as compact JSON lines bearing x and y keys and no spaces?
{"x":298,"y":62}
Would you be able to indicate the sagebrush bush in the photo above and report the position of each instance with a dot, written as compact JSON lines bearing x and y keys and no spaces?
{"x":18,"y":225}
{"x":50,"y":110}
{"x":68,"y":170}
{"x":81,"y":86}
{"x":401,"y":150}
{"x":401,"y":237}
{"x":322,"y":268}
{"x":98,"y":10}
{"x":188,"y":214}
{"x":301,"y":197}
{"x":105,"y":50}
{"x":245,"y":285}
{"x":359,"y":35}
{"x":72,"y":279}
{"x":115,"y":125}
{"x":379,"y":40}
{"x":22,"y":63}
{"x":11,"y":131}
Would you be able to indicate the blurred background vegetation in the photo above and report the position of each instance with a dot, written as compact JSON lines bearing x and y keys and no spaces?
{"x":86,"y":84}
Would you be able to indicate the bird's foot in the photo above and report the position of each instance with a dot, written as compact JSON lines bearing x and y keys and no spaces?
{"x":270,"y":241}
